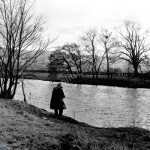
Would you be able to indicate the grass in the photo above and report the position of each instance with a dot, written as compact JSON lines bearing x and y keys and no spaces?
{"x":120,"y":81}
{"x":26,"y":127}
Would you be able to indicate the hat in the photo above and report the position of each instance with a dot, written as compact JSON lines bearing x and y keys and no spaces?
{"x":59,"y":85}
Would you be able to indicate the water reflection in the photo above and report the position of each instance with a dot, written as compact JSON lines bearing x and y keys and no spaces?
{"x":101,"y":106}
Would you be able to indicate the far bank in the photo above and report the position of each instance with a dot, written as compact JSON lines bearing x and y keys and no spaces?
{"x":120,"y":81}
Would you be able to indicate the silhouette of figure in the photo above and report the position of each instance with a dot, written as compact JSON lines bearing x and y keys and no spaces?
{"x":57,"y":102}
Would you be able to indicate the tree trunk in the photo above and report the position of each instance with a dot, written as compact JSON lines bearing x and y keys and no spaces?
{"x":108,"y":69}
{"x":93,"y":73}
{"x":107,"y":57}
{"x":23,"y":90}
{"x":135,"y":70}
{"x":97,"y":75}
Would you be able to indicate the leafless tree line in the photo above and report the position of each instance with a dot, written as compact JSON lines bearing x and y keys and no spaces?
{"x":98,"y":49}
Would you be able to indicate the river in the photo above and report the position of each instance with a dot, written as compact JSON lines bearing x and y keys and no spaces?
{"x":102,"y":106}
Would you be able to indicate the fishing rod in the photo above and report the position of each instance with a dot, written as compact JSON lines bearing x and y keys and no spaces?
{"x":70,"y":98}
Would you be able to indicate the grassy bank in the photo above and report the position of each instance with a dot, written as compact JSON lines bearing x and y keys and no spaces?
{"x":26,"y":127}
{"x":120,"y":81}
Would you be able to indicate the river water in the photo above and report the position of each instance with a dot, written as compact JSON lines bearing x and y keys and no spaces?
{"x":102,"y":106}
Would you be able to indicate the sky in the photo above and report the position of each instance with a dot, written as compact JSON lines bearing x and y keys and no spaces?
{"x":70,"y":19}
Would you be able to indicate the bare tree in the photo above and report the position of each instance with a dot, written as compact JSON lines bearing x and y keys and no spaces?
{"x":22,"y":41}
{"x":60,"y":61}
{"x":75,"y":53}
{"x":105,"y":39}
{"x":90,"y":45}
{"x":132,"y":44}
{"x":93,"y":42}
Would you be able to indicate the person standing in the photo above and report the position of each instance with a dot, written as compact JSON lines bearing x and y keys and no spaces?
{"x":57,"y":102}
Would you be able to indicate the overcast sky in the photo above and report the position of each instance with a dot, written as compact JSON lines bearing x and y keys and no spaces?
{"x":68,"y":19}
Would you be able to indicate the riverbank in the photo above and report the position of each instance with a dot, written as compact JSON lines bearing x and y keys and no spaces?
{"x":120,"y":81}
{"x":26,"y":127}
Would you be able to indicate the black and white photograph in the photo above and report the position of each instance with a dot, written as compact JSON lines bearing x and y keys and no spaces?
{"x":74,"y":75}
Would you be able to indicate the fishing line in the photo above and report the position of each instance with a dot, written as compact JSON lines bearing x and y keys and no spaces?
{"x":81,"y":102}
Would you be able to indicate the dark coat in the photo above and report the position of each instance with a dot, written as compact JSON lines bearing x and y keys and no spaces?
{"x":57,"y":99}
